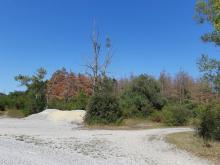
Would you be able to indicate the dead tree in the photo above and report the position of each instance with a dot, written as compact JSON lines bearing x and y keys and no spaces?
{"x":96,"y":68}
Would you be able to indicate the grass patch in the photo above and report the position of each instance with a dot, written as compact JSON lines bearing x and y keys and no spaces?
{"x":142,"y":123}
{"x":14,"y":113}
{"x":2,"y":113}
{"x":129,"y":124}
{"x":192,"y":143}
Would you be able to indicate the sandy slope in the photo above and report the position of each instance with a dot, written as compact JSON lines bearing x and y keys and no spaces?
{"x":43,"y":142}
{"x":55,"y":115}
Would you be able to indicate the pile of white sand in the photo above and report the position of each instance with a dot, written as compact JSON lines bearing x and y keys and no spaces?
{"x":73,"y":116}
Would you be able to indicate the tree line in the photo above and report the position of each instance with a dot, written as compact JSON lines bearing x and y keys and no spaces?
{"x":136,"y":96}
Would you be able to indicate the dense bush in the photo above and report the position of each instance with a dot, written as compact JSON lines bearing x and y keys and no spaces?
{"x":14,"y":103}
{"x":157,"y":116}
{"x":141,"y":97}
{"x":176,"y":115}
{"x":103,"y":109}
{"x":14,"y":100}
{"x":135,"y":105}
{"x":2,"y":104}
{"x":56,"y":104}
{"x":79,"y":101}
{"x":107,"y":85}
{"x":209,"y":125}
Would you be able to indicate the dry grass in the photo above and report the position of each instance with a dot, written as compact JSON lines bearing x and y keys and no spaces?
{"x":2,"y":113}
{"x":14,"y":113}
{"x":129,"y":124}
{"x":190,"y":142}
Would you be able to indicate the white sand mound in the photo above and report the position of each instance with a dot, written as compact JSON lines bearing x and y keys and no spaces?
{"x":74,"y":116}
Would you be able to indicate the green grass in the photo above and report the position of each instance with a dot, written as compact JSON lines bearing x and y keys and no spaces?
{"x":188,"y":141}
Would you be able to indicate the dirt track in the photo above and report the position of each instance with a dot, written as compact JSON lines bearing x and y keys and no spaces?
{"x":42,"y":142}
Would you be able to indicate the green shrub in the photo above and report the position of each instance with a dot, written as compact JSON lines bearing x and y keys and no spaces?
{"x":141,"y":97}
{"x":2,"y":104}
{"x":26,"y":112}
{"x":192,"y":108}
{"x":2,"y":107}
{"x":134,"y":105}
{"x":209,"y":126}
{"x":79,"y":101}
{"x":176,"y":115}
{"x":17,"y":100}
{"x":196,"y":115}
{"x":103,"y":109}
{"x":157,"y":116}
{"x":35,"y":105}
{"x":56,"y":104}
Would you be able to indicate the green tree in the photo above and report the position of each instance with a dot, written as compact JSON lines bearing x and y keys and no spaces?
{"x":211,"y":70}
{"x":141,"y":97}
{"x":209,"y":11}
{"x":176,"y":115}
{"x":209,"y":126}
{"x":36,"y":90}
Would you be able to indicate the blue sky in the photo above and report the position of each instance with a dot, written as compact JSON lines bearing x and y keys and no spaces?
{"x":148,"y":36}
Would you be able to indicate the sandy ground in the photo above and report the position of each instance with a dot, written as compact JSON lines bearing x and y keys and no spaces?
{"x":36,"y":141}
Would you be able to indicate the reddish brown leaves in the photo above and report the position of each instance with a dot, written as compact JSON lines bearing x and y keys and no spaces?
{"x":64,"y":85}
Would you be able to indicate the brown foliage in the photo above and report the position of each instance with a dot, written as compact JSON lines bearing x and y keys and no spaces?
{"x":64,"y":85}
{"x":183,"y":87}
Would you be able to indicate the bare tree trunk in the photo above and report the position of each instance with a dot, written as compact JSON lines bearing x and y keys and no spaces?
{"x":97,"y":69}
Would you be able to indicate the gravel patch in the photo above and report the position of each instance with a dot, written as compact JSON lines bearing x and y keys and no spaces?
{"x":45,"y":142}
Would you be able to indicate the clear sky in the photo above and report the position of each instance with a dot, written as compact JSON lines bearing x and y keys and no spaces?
{"x":148,"y":35}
